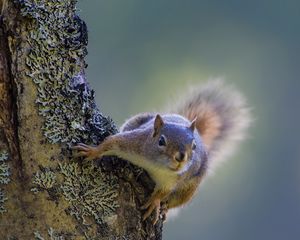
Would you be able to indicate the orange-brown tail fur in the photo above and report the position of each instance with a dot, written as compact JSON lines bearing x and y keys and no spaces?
{"x":222,"y":117}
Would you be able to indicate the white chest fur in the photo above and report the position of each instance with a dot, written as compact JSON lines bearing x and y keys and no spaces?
{"x":161,"y":175}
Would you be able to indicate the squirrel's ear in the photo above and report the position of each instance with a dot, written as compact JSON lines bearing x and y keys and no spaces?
{"x":158,"y":123}
{"x":193,"y":124}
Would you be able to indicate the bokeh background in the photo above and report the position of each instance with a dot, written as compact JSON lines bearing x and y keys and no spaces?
{"x":143,"y":52}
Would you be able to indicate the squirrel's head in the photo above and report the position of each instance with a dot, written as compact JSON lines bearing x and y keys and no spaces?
{"x":174,"y":141}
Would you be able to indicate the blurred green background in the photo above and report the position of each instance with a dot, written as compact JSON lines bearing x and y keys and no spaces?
{"x":143,"y":52}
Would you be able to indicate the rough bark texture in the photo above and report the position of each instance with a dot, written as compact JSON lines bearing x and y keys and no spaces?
{"x":46,"y":106}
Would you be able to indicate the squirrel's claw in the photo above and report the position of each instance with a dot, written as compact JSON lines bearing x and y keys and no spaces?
{"x":83,"y":150}
{"x":81,"y":147}
{"x":152,"y":206}
{"x":163,"y":211}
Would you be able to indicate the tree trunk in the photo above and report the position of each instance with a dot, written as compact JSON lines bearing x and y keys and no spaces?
{"x":46,"y":106}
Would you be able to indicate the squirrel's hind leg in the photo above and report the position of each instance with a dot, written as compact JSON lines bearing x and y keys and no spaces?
{"x":154,"y":204}
{"x":136,"y":121}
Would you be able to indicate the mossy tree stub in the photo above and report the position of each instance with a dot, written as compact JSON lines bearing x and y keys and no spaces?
{"x":46,"y":107}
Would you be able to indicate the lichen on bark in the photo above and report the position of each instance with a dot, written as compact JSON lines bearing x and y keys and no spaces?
{"x":43,"y":180}
{"x":52,"y":235}
{"x":4,"y":178}
{"x":55,"y":61}
{"x":91,"y":192}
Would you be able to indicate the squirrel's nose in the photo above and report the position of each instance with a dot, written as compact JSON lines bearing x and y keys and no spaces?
{"x":180,"y":156}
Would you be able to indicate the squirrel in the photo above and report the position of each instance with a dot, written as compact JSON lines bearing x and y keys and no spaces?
{"x":177,"y":149}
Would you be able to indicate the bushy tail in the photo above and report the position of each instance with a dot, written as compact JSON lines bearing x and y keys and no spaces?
{"x":222,"y":117}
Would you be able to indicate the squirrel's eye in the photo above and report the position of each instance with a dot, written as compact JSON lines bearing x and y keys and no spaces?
{"x":162,"y":141}
{"x":194,"y":145}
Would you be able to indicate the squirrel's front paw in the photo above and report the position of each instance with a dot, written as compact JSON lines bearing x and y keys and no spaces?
{"x":86,"y":151}
{"x":152,"y":205}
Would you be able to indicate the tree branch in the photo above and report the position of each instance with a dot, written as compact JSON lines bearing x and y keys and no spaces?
{"x":46,"y":107}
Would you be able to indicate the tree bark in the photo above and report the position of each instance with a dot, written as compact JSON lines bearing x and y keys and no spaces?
{"x":46,"y":106}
